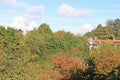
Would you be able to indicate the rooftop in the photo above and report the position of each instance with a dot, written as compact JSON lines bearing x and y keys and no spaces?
{"x":108,"y":41}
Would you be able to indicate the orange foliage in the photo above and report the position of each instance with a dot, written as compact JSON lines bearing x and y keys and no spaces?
{"x":65,"y":63}
{"x":59,"y":33}
{"x":56,"y":75}
{"x":106,"y":62}
{"x":65,"y":67}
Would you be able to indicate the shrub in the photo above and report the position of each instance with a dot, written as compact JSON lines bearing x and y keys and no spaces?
{"x":67,"y":68}
{"x":106,"y":63}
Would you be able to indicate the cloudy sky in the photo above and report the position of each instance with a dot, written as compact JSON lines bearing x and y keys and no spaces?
{"x":76,"y":16}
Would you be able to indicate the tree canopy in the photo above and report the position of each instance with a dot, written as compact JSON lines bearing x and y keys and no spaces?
{"x":109,"y":31}
{"x":42,"y":54}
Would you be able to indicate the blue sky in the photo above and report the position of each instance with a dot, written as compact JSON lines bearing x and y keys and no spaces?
{"x":76,"y":16}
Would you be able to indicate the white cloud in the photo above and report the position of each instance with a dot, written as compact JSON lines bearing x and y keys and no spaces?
{"x":32,"y":25}
{"x":35,"y":12}
{"x":35,"y":9}
{"x":10,"y":11}
{"x":11,"y":2}
{"x":33,"y":17}
{"x":1,"y":3}
{"x":21,"y":22}
{"x":83,"y":29}
{"x":66,"y":10}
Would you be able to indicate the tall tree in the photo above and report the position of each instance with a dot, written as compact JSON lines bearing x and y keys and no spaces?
{"x":115,"y":24}
{"x":44,"y":29}
{"x":104,"y":32}
{"x":99,"y":31}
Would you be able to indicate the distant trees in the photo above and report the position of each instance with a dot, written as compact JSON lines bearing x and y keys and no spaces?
{"x":109,"y":31}
{"x":104,"y":32}
{"x":44,"y":29}
{"x":115,"y":24}
{"x":43,"y":40}
{"x":27,"y":56}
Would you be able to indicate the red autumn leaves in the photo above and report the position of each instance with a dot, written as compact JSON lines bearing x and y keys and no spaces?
{"x":65,"y":67}
{"x":106,"y":62}
{"x":65,"y":63}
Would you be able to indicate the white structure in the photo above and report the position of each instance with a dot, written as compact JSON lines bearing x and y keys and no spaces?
{"x":92,"y":44}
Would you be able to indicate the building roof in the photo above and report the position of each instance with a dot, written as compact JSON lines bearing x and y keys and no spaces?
{"x":108,"y":41}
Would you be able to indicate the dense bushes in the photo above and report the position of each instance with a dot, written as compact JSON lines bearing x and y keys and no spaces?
{"x":68,"y":68}
{"x":99,"y":66}
{"x":35,"y":56}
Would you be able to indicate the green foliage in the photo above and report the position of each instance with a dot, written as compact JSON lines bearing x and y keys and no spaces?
{"x":44,"y":29}
{"x":28,"y":56}
{"x":2,"y":31}
{"x":110,"y":31}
